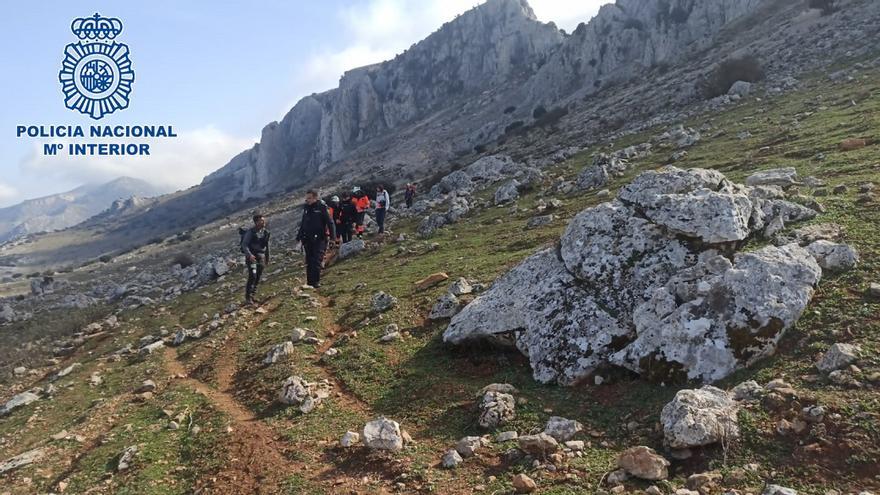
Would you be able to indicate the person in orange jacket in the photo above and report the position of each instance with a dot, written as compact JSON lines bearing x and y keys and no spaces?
{"x":362,"y":204}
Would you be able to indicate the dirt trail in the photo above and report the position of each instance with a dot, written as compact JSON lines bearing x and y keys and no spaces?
{"x":331,"y":327}
{"x":256,"y":461}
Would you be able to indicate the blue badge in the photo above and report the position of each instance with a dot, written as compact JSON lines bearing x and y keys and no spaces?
{"x":96,"y":74}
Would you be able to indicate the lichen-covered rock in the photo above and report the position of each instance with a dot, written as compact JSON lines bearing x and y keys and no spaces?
{"x":383,"y":434}
{"x":832,"y":256}
{"x":507,"y":192}
{"x":278,"y":352}
{"x":445,"y":307}
{"x":383,"y":302}
{"x":648,"y":282}
{"x":838,"y":356}
{"x":451,"y":459}
{"x":697,"y":417}
{"x":541,"y":444}
{"x":496,"y":409}
{"x":295,"y":391}
{"x":562,"y":429}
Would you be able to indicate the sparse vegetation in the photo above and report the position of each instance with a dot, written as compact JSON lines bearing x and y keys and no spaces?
{"x":827,"y":7}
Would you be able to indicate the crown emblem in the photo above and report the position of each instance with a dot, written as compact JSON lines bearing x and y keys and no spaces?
{"x":96,"y":27}
{"x":96,"y":74}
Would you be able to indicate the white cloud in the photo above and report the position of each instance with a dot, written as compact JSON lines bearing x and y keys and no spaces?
{"x":173,"y":163}
{"x":377,"y":30}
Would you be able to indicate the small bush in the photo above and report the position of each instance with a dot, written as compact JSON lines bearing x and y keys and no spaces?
{"x":509,"y":109}
{"x":183,"y":259}
{"x":730,"y":71}
{"x":105,"y":258}
{"x":538,"y":112}
{"x":513,"y":126}
{"x":551,"y":117}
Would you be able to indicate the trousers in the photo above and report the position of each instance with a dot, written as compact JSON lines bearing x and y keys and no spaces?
{"x":314,"y":250}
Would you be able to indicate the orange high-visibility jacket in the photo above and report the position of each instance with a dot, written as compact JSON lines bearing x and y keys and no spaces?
{"x":362,"y":203}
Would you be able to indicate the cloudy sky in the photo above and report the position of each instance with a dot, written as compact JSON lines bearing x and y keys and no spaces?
{"x":218,"y":71}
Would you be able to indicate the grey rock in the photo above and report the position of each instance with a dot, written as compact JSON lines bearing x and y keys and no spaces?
{"x":778,"y":490}
{"x":383,"y":302}
{"x":383,"y":434}
{"x":22,"y":460}
{"x":496,"y":409}
{"x":662,"y":308}
{"x":19,"y":400}
{"x":838,"y":356}
{"x":697,"y":417}
{"x":562,"y":429}
{"x":507,"y":192}
{"x":774,"y":177}
{"x":126,"y":458}
{"x":468,"y":446}
{"x":279,"y":352}
{"x":460,"y":287}
{"x":540,"y":221}
{"x":351,"y":248}
{"x":741,"y":88}
{"x":451,"y":459}
{"x":350,"y":439}
{"x":539,"y":445}
{"x":832,"y":256}
{"x":445,"y":307}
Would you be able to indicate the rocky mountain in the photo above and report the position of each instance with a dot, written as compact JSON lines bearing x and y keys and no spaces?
{"x":500,"y":42}
{"x":66,"y":209}
{"x":499,"y":46}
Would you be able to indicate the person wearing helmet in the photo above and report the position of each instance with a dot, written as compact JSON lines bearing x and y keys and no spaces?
{"x":362,"y":204}
{"x":334,"y":208}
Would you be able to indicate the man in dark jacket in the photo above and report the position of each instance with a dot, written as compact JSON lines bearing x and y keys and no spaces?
{"x":347,"y":217}
{"x":315,"y":229}
{"x":255,"y":247}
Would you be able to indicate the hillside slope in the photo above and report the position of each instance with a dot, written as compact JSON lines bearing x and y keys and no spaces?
{"x":212,"y":421}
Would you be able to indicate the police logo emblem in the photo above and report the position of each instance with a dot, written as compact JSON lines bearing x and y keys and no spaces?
{"x":96,"y":74}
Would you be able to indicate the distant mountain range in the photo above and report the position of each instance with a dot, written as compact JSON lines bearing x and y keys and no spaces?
{"x":66,"y":209}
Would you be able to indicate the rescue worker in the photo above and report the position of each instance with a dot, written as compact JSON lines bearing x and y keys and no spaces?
{"x":316,"y":229}
{"x":409,"y":194}
{"x":335,"y":210}
{"x":362,"y":204}
{"x":255,"y":247}
{"x":383,"y":201}
{"x":347,"y":217}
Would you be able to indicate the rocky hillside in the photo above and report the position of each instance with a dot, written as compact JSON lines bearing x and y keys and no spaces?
{"x":690,"y":309}
{"x":497,"y":81}
{"x":63,"y":210}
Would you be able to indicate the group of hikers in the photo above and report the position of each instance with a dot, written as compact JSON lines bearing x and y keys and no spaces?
{"x":323,"y":225}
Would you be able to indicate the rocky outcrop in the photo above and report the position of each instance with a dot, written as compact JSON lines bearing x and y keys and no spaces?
{"x":630,"y":36}
{"x":652,"y":282}
{"x":487,"y":45}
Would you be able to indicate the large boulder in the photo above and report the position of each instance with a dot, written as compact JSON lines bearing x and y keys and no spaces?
{"x":697,"y":417}
{"x":650,"y":281}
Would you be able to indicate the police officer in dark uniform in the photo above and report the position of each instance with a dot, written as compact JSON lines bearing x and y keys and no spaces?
{"x":315,"y":230}
{"x":255,"y":247}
